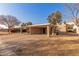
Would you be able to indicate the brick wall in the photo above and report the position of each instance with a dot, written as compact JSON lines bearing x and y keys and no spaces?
{"x":36,"y":30}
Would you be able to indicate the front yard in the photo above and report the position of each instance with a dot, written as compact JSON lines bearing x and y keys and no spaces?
{"x":23,"y":44}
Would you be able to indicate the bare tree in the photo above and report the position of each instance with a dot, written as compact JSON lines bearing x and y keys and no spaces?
{"x":9,"y":21}
{"x":74,"y":9}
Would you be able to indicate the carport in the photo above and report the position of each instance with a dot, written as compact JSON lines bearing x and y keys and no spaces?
{"x":40,"y":29}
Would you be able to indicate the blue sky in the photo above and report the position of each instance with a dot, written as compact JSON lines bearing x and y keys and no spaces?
{"x":34,"y":12}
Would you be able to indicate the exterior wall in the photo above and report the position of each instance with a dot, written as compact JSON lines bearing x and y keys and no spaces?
{"x":36,"y":30}
{"x":39,"y":30}
{"x":47,"y":29}
{"x":62,"y":27}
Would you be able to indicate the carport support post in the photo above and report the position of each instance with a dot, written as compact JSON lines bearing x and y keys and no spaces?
{"x":48,"y":31}
{"x":20,"y":30}
{"x":29,"y":30}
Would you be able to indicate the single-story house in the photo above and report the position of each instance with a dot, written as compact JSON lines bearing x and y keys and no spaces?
{"x":44,"y":28}
{"x":72,"y":27}
{"x":3,"y":27}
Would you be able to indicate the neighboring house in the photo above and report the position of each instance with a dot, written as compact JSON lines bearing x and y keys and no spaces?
{"x":3,"y":26}
{"x":71,"y":26}
{"x":17,"y":26}
{"x":20,"y":28}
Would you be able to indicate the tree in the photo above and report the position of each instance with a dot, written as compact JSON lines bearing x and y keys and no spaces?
{"x":64,"y":22}
{"x":74,"y":9}
{"x":23,"y":25}
{"x":9,"y":21}
{"x":54,"y":19}
{"x":29,"y":23}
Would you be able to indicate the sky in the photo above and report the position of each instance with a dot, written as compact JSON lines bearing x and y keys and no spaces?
{"x":35,"y":12}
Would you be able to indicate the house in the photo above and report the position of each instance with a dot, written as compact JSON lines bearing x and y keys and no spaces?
{"x":71,"y":26}
{"x":20,"y":28}
{"x":44,"y":28}
{"x":3,"y":26}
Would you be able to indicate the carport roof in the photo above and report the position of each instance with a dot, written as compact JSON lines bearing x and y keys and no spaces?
{"x":36,"y":25}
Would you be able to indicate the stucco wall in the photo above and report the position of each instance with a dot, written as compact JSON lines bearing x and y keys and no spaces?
{"x":62,"y":27}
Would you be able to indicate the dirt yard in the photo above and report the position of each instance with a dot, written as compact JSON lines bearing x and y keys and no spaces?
{"x":38,"y":45}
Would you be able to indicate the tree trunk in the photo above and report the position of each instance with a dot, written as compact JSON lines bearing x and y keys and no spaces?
{"x":20,"y":30}
{"x":9,"y":30}
{"x":55,"y":30}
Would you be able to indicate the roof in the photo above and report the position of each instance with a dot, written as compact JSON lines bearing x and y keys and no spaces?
{"x":35,"y":25}
{"x":43,"y":25}
{"x":70,"y":23}
{"x":18,"y":26}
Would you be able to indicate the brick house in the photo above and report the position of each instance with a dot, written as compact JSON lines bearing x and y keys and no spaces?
{"x":44,"y":28}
